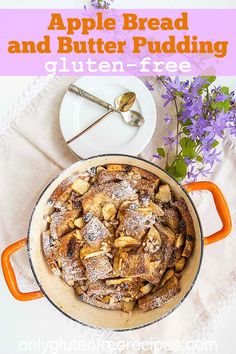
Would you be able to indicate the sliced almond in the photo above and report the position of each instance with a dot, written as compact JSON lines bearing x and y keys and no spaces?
{"x":109,"y":211}
{"x":179,"y":266}
{"x":94,"y":254}
{"x":153,"y":240}
{"x":71,"y":224}
{"x":86,"y":250}
{"x":116,"y":264}
{"x":188,"y":248}
{"x":146,"y":288}
{"x":180,"y":241}
{"x":78,"y":235}
{"x":79,"y":223}
{"x":126,"y":241}
{"x":156,"y":209}
{"x":169,"y":274}
{"x":164,"y":194}
{"x":127,"y":299}
{"x":80,"y":186}
{"x":145,"y":211}
{"x":118,"y":281}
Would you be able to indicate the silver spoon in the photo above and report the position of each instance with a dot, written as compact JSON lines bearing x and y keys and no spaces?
{"x":122,"y":105}
{"x":134,"y":119}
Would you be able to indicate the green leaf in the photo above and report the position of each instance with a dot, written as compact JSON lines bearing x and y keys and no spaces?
{"x":225,"y":90}
{"x":188,"y":147}
{"x":161,"y":152}
{"x":214,"y":144}
{"x":209,"y":79}
{"x":178,"y":169}
{"x":223,"y":105}
{"x":186,"y":131}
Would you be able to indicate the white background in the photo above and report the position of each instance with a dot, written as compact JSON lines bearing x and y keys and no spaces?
{"x":25,"y":321}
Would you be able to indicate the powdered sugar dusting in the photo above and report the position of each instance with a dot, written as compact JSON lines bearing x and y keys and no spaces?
{"x":94,"y":232}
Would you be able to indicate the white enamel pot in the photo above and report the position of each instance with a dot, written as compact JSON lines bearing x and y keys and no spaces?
{"x":63,"y":297}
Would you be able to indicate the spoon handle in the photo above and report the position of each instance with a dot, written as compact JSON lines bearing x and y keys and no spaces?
{"x":89,"y":127}
{"x":90,"y":97}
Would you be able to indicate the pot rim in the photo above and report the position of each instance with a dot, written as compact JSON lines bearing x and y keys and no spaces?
{"x":101,"y":328}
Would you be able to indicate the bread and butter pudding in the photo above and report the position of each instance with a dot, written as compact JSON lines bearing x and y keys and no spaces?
{"x":119,"y":236}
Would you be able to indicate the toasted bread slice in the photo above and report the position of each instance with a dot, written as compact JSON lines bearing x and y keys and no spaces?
{"x":107,"y":302}
{"x":49,"y":254}
{"x":171,"y":219}
{"x":63,"y":190}
{"x":72,"y":270}
{"x":135,"y":223}
{"x":70,"y":245}
{"x":94,"y":232}
{"x":110,"y":192}
{"x":60,"y":222}
{"x":135,"y":265}
{"x":161,"y":296}
{"x":145,"y":186}
{"x":190,"y":233}
{"x":98,"y":267}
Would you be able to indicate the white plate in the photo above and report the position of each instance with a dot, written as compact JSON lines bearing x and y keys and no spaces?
{"x":112,"y":135}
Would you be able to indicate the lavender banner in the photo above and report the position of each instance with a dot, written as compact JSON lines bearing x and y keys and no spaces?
{"x":117,"y":42}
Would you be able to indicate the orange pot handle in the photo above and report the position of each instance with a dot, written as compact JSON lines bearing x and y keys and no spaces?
{"x":221,"y":207}
{"x":9,"y":274}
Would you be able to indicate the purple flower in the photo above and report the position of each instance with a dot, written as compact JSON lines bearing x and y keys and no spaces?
{"x":188,"y":161}
{"x":157,"y":156}
{"x":149,"y":85}
{"x":197,"y":128}
{"x":217,"y":126}
{"x":204,"y":171}
{"x":192,"y":174}
{"x":212,"y":157}
{"x":168,"y":119}
{"x":201,"y":120}
{"x":197,"y":85}
{"x":221,"y":97}
{"x":177,"y":85}
{"x":169,"y":97}
{"x":170,"y":141}
{"x":100,"y":4}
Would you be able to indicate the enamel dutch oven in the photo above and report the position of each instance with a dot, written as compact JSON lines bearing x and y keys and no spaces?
{"x":62,"y":296}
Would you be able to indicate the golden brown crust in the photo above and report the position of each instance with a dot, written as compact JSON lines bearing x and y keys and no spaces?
{"x":49,"y":254}
{"x":99,"y":195}
{"x":135,"y":223}
{"x":98,"y":267}
{"x":190,"y":233}
{"x":60,"y":222}
{"x":161,"y":296}
{"x":117,"y":237}
{"x":94,"y":232}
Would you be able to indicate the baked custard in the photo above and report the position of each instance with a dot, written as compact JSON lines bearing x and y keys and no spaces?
{"x":118,"y":235}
